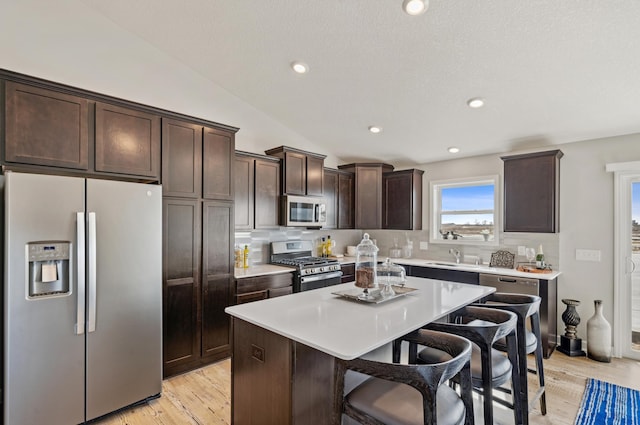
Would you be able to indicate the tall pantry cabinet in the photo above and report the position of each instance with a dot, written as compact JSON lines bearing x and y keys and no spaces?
{"x":198,"y":225}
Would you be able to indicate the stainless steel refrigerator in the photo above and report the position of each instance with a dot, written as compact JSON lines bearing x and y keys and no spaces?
{"x":82,"y":297}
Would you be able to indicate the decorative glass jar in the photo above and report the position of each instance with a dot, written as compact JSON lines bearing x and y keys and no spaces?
{"x":366,"y":263}
{"x":390,"y":275}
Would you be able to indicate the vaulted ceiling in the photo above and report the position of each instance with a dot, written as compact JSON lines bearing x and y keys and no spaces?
{"x":550,"y":71}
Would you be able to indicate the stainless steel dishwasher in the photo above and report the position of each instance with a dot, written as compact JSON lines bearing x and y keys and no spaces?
{"x":511,"y":285}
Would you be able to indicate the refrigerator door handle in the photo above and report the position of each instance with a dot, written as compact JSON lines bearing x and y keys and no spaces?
{"x":92,"y":272}
{"x":80,"y":247}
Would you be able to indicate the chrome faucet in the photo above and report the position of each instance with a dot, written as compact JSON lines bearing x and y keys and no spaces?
{"x":455,"y":253}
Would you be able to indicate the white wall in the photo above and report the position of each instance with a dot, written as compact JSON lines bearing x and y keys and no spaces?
{"x":67,"y":42}
{"x":586,"y":216}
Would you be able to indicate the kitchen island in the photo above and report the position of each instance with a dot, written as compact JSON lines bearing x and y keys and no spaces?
{"x":284,"y":348}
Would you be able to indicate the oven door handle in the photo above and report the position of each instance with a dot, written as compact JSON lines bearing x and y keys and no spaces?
{"x":322,"y":276}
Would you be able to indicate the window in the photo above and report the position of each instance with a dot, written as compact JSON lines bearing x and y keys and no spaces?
{"x":465,"y":211}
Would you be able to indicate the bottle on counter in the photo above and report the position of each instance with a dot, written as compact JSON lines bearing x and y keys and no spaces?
{"x":239,"y":257}
{"x":540,"y":264}
{"x":328,"y":250}
{"x":245,"y":257}
{"x":323,"y":248}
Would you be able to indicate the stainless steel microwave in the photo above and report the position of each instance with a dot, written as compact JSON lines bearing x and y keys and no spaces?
{"x":303,"y":211}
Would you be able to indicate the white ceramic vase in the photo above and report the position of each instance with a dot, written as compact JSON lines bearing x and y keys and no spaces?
{"x":599,"y":336}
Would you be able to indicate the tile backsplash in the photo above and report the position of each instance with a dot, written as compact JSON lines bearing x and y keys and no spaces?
{"x":259,"y":240}
{"x":259,"y":243}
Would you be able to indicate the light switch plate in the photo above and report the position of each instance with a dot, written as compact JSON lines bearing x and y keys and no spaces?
{"x":588,"y":255}
{"x":424,"y":245}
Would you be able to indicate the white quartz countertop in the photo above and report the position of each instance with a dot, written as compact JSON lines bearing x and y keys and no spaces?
{"x":348,"y":329}
{"x":260,"y":270}
{"x":472,"y":268}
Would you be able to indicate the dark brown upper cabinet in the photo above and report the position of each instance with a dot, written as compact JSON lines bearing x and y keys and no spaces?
{"x":257,"y":190}
{"x":532,"y":192}
{"x":338,"y":193}
{"x":368,"y":193}
{"x":346,"y":200}
{"x":331,"y":198}
{"x":182,"y":159}
{"x":402,"y":200}
{"x":127,"y":141}
{"x":315,"y":175}
{"x":45,"y":127}
{"x":244,"y":175}
{"x":217,"y":159}
{"x":267,"y":193}
{"x":302,"y":172}
{"x":196,"y":161}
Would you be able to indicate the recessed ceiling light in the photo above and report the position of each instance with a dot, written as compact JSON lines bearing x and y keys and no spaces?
{"x":415,"y":7}
{"x":299,"y":67}
{"x":375,"y":129}
{"x":453,"y":149}
{"x":476,"y":102}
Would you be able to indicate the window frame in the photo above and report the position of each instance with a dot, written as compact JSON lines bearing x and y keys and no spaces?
{"x":435,"y":212}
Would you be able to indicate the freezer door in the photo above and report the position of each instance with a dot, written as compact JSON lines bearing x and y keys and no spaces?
{"x":124,"y":308}
{"x":44,"y":353}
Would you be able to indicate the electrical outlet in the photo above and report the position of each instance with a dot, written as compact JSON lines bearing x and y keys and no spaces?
{"x":588,"y":255}
{"x":521,"y":250}
{"x":424,"y":245}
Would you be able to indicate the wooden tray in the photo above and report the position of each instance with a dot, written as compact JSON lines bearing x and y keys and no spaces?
{"x":532,"y":269}
{"x":353,"y":294}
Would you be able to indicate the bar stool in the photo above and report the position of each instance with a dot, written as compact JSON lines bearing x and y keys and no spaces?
{"x":525,"y":307}
{"x":489,"y":368}
{"x":409,"y":393}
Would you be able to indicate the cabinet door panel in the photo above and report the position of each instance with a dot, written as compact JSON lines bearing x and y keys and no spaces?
{"x":181,"y":251}
{"x":345,"y":201}
{"x":331,"y":198}
{"x":127,"y":141}
{"x":243,"y":184}
{"x":402,"y":200}
{"x":45,"y":127}
{"x":217,"y":277}
{"x":369,"y":198}
{"x":267,"y":194}
{"x":217,"y":164}
{"x":531,"y":192}
{"x":315,"y":176}
{"x":181,"y":159}
{"x":216,"y":324}
{"x":295,"y":175}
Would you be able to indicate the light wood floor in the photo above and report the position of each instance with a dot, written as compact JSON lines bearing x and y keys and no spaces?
{"x":203,"y":396}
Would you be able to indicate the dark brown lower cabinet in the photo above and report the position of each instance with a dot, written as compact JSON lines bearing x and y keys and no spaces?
{"x":348,"y":272}
{"x":197,"y":283}
{"x":262,"y":287}
{"x":277,"y":380}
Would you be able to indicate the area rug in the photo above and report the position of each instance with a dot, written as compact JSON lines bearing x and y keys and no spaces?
{"x":608,"y":404}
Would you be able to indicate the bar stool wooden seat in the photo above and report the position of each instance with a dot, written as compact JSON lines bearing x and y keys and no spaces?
{"x":526,"y":307}
{"x":489,"y":368}
{"x":404,"y":394}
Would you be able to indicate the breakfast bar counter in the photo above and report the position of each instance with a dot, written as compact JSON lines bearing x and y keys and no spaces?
{"x":284,"y":348}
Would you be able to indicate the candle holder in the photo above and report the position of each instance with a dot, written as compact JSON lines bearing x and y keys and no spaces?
{"x":570,"y":344}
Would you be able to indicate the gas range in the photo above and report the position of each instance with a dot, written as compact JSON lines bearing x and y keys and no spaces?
{"x":311,"y":272}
